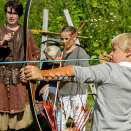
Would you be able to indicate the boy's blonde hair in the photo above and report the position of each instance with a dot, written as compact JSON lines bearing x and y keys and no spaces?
{"x":123,"y":41}
{"x":52,"y":51}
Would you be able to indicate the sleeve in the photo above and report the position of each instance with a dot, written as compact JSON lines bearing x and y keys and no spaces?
{"x":92,"y":74}
{"x":2,"y":34}
{"x":34,"y":48}
{"x":39,"y":87}
{"x":83,"y":55}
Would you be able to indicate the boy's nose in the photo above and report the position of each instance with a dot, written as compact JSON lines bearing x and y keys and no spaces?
{"x":64,"y":41}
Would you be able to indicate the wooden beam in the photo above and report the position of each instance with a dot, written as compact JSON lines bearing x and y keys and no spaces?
{"x":69,"y":21}
{"x":44,"y":32}
{"x":44,"y":37}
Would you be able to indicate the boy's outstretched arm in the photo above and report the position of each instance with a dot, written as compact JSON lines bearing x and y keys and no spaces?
{"x":63,"y":73}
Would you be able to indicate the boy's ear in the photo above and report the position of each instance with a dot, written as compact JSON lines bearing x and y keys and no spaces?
{"x":128,"y":53}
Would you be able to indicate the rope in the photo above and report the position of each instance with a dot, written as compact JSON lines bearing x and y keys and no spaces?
{"x":14,"y":62}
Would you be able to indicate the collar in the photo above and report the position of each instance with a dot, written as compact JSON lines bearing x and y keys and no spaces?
{"x":127,"y":64}
{"x":72,"y":50}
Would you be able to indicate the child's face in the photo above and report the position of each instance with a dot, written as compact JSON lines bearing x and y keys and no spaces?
{"x":12,"y":16}
{"x":118,"y":55}
{"x":65,"y":36}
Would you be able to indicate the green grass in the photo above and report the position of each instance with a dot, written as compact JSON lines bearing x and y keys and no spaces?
{"x":90,"y":101}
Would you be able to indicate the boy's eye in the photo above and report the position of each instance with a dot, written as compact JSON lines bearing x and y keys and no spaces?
{"x":113,"y":49}
{"x":65,"y":39}
{"x":11,"y":13}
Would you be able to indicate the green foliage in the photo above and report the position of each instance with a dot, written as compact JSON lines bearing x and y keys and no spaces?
{"x":105,"y":19}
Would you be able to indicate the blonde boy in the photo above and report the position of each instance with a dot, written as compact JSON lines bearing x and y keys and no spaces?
{"x":112,"y":110}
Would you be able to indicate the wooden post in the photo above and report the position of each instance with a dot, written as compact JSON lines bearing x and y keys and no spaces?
{"x":44,"y":37}
{"x":69,"y":21}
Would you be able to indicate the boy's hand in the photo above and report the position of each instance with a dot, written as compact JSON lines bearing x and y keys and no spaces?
{"x":7,"y":38}
{"x":57,"y":58}
{"x":32,"y":73}
{"x":22,"y":76}
{"x":43,"y":89}
{"x":105,"y":58}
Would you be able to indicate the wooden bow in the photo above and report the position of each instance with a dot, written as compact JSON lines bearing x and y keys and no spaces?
{"x":28,"y":55}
